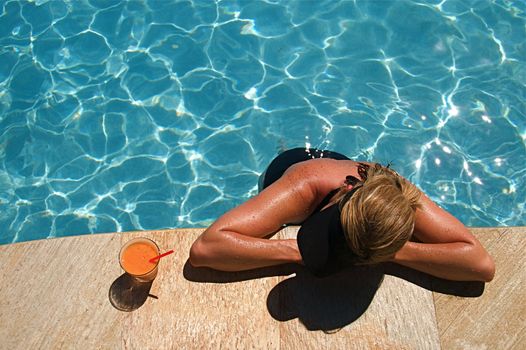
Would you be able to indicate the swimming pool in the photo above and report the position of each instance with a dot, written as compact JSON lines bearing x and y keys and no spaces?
{"x":118,"y":116}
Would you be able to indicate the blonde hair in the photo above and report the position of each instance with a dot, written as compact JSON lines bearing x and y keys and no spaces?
{"x":379,"y":217}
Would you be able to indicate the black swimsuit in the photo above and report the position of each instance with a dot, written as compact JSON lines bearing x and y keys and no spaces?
{"x":285,"y":160}
{"x":320,"y":239}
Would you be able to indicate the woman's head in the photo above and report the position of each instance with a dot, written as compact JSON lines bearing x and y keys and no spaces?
{"x":378,"y":219}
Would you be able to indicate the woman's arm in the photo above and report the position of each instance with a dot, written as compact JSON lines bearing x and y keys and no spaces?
{"x":231,"y":251}
{"x":237,"y":240}
{"x":448,"y":250}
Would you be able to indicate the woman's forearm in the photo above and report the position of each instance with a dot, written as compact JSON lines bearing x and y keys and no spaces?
{"x":229,"y":251}
{"x":458,"y":261}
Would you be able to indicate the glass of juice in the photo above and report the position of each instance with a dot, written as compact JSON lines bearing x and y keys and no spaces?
{"x":134,"y":259}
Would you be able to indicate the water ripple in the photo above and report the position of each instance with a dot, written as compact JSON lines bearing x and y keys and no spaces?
{"x":126,"y":115}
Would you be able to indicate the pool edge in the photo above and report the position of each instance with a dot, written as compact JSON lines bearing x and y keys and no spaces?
{"x":491,"y":319}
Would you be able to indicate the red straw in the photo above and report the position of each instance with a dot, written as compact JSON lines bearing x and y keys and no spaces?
{"x":152,"y":260}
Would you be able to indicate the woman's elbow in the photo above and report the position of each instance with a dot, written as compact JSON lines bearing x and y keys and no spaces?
{"x":481,"y":264}
{"x":198,"y":254}
{"x":484,"y":267}
{"x":208,"y":249}
{"x":487,"y":269}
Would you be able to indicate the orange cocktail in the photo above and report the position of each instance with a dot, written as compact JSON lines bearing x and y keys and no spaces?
{"x":135,"y":258}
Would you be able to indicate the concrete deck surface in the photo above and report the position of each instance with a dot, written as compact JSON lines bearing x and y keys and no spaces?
{"x":58,"y":293}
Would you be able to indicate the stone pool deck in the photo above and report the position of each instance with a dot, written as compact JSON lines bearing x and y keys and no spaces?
{"x":56,"y":294}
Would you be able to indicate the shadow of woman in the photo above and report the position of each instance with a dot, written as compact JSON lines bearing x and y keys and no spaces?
{"x":465,"y":289}
{"x":208,"y":275}
{"x":128,"y":294}
{"x":321,"y":303}
{"x":334,"y":301}
{"x":328,"y":303}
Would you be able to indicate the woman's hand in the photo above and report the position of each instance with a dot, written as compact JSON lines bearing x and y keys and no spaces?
{"x":446,"y":249}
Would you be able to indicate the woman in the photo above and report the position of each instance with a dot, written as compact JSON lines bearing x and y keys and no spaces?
{"x":351,"y":213}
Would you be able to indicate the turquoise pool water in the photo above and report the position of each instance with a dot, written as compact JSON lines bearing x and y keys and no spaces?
{"x":118,"y":116}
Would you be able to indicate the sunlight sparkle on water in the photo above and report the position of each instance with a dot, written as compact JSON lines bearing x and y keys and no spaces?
{"x":453,"y":111}
{"x":251,"y":94}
